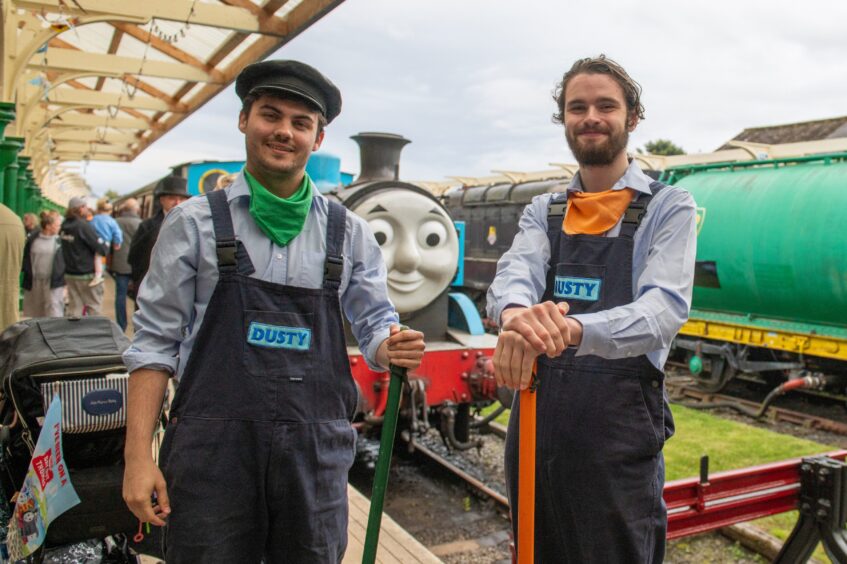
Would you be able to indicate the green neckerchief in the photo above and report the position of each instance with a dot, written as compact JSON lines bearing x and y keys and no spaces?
{"x":281,"y":219}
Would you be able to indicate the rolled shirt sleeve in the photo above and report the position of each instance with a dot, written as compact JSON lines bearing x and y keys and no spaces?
{"x":166,"y":297}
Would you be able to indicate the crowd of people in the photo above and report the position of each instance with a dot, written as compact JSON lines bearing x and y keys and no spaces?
{"x":64,"y":260}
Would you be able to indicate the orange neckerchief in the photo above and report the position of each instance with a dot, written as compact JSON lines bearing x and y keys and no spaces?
{"x":593,"y":213}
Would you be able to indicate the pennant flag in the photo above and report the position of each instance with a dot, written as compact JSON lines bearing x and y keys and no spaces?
{"x":47,"y":491}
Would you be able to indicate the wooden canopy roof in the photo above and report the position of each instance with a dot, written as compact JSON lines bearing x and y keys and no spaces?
{"x":101,"y":80}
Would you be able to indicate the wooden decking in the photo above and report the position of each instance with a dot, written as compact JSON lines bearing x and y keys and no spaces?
{"x":395,"y":544}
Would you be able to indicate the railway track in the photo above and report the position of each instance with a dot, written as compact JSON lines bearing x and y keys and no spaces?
{"x":692,"y":397}
{"x":679,"y":393}
{"x":455,"y":463}
{"x":683,"y":391}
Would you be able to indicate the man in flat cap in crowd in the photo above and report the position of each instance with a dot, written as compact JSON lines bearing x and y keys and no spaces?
{"x":169,"y":193}
{"x":242,"y":305}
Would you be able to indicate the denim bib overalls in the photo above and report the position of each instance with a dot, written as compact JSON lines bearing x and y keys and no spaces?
{"x":259,"y":443}
{"x":601,"y":423}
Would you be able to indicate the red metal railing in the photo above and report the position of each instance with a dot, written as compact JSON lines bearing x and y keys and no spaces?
{"x":734,"y":496}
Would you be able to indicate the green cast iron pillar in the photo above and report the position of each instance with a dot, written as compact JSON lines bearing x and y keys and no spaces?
{"x":10,"y":147}
{"x":33,"y":199}
{"x":23,"y":165}
{"x":28,"y":188}
{"x":7,"y":152}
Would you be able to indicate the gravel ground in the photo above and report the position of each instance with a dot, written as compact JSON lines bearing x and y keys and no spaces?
{"x":709,"y":549}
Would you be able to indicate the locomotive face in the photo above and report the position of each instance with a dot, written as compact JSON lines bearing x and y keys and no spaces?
{"x":418,"y":243}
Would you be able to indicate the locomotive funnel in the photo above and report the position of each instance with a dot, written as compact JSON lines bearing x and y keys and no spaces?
{"x":380,"y":155}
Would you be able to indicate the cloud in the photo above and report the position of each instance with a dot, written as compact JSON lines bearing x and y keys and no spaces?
{"x":469,"y":82}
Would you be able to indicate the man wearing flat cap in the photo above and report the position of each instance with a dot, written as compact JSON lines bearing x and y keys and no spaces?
{"x":242,"y":305}
{"x":169,"y":193}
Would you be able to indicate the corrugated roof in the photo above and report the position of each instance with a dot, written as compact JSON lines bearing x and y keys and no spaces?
{"x":103,"y":79}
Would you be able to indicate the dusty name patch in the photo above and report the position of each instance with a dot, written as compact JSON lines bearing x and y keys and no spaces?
{"x":570,"y":288}
{"x":278,"y":337}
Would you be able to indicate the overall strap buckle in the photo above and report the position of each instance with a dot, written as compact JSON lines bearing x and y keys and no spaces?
{"x":335,"y":232}
{"x":231,"y":253}
{"x":633,"y":216}
{"x":333,"y":267}
{"x":635,"y":213}
{"x":556,"y":209}
{"x":557,"y":206}
{"x":226,"y":250}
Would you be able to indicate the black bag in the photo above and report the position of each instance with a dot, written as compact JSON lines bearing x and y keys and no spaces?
{"x":80,"y":359}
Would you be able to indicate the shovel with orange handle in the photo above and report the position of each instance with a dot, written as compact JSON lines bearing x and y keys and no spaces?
{"x":526,"y":473}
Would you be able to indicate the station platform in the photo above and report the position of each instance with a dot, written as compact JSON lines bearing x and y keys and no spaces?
{"x":395,"y":544}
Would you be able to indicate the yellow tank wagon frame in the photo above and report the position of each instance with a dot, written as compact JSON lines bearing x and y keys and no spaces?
{"x":776,"y":335}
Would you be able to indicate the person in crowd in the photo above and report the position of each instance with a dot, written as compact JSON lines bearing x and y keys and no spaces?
{"x":12,"y":239}
{"x":169,"y":192}
{"x":243,"y":305}
{"x":30,"y":224}
{"x":128,"y":221}
{"x":109,"y":232}
{"x":44,"y":270}
{"x":225,"y":180}
{"x":594,"y":288}
{"x":80,"y":246}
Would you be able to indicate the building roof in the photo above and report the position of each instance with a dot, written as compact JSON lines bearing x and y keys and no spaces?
{"x":816,"y":130}
{"x":104,"y":79}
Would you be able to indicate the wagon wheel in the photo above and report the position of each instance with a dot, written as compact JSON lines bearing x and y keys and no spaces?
{"x":719,"y":374}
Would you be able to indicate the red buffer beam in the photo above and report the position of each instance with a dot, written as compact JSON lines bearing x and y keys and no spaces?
{"x":734,"y":496}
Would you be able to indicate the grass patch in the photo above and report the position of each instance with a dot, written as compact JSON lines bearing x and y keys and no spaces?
{"x":730,"y":445}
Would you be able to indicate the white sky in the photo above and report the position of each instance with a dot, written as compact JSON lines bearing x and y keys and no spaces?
{"x":469,"y":81}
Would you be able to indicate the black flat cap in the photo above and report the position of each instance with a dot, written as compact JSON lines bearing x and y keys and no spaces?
{"x":172,"y":185}
{"x":293,"y":78}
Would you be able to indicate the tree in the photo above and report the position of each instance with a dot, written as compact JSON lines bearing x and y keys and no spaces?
{"x":111,"y":195}
{"x":662,"y":147}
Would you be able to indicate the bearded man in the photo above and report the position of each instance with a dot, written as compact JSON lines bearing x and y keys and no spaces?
{"x":594,"y":288}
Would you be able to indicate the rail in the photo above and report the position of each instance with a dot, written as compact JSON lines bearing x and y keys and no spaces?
{"x":699,"y":505}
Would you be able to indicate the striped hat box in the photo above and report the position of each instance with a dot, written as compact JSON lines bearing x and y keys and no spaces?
{"x":90,"y":405}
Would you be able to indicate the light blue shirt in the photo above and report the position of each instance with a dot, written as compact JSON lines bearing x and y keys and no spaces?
{"x":665,"y":247}
{"x":184,"y":271}
{"x":107,"y":229}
